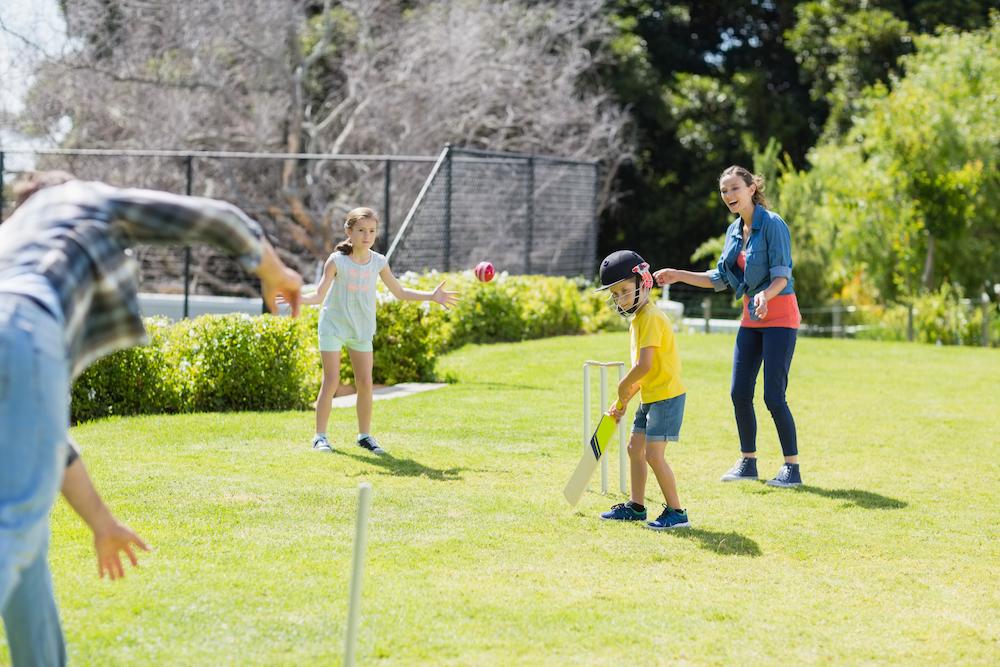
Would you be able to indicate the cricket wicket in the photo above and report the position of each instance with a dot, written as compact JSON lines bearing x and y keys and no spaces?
{"x":357,"y":570}
{"x":622,"y":452}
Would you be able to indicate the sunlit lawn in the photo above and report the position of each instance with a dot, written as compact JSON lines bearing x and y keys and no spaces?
{"x":889,"y":554}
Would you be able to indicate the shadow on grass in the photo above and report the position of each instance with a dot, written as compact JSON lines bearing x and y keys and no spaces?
{"x":865,"y":499}
{"x":725,"y":544}
{"x":406,"y":467}
{"x":503,"y":385}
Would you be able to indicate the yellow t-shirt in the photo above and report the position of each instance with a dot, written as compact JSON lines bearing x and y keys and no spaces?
{"x":651,"y":328}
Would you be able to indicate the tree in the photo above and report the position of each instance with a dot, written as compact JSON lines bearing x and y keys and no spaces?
{"x":311,"y":76}
{"x":903,"y":202}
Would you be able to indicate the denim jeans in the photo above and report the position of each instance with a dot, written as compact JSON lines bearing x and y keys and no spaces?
{"x":774,"y":346}
{"x":660,"y":420}
{"x":34,"y":417}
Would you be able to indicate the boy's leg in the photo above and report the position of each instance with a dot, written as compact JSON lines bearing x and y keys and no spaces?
{"x":637,"y":466}
{"x":747,"y":357}
{"x":327,"y":390}
{"x":362,"y":362}
{"x":661,"y":470}
{"x":663,"y":425}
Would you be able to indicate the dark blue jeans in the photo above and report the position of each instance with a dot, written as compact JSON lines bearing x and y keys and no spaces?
{"x":774,"y":346}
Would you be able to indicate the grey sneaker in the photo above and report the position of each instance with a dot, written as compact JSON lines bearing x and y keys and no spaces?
{"x":371,"y":444}
{"x":745,"y":469}
{"x":788,"y":476}
{"x":321,"y":444}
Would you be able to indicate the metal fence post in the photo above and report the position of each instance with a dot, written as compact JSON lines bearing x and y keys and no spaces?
{"x":386,"y":204}
{"x":2,"y":172}
{"x":447,"y":210}
{"x":530,"y":210}
{"x":706,"y":311}
{"x":909,"y":321}
{"x":189,"y":168}
{"x":987,"y":306}
{"x":837,"y":328}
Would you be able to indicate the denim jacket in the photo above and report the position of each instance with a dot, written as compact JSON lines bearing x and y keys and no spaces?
{"x":769,"y":255}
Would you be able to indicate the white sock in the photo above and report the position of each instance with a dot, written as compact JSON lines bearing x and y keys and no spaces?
{"x":362,"y":436}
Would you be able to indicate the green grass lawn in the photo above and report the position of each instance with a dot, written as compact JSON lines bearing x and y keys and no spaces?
{"x":890,"y":554}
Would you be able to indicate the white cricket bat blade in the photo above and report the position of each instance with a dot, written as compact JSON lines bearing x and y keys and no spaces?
{"x":577,"y":484}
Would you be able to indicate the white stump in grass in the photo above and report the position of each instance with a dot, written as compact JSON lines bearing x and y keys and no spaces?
{"x":357,"y":570}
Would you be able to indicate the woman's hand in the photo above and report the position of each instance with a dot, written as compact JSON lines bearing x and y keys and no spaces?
{"x":666,"y":277}
{"x":445,"y":298}
{"x":760,"y":305}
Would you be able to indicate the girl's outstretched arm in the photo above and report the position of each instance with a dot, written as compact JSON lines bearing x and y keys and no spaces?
{"x":329,"y":273}
{"x":439,"y":295}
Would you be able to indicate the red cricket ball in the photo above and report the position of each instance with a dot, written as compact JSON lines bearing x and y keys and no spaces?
{"x":484,"y":271}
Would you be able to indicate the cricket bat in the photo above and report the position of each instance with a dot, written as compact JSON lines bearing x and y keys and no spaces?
{"x":603,"y":435}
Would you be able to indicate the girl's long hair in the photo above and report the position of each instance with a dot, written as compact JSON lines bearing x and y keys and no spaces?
{"x":353,"y":216}
{"x":749,"y":179}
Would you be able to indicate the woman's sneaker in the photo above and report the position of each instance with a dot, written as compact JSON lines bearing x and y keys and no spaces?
{"x":787,"y":476}
{"x":745,"y":468}
{"x":624,"y":512}
{"x":670,"y":518}
{"x":321,"y":444}
{"x":371,"y":444}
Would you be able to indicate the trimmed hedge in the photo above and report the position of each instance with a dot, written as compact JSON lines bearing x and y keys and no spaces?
{"x":239,"y":362}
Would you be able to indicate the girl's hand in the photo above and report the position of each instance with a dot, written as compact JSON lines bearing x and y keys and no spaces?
{"x":760,"y":305}
{"x":445,"y":298}
{"x":666,"y":277}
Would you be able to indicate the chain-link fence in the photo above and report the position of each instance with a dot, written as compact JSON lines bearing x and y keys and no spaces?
{"x":523,"y":213}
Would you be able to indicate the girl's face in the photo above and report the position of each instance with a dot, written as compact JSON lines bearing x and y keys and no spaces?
{"x":736,"y":194}
{"x":363,"y":233}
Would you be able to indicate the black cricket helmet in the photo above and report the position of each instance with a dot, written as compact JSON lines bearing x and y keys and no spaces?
{"x":622,"y":265}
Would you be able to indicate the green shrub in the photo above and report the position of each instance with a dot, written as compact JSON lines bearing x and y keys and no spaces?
{"x":239,"y":362}
{"x":129,"y":382}
{"x":943,"y":317}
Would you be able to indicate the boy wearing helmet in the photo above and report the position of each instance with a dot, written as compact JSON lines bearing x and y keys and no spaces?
{"x":655,"y":376}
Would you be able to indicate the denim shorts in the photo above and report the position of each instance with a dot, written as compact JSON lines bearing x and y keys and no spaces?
{"x":660,"y":420}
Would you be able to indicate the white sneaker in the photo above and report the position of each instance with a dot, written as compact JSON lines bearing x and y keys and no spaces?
{"x":321,"y":444}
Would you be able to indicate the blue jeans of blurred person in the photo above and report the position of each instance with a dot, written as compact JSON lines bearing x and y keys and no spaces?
{"x":34,"y":417}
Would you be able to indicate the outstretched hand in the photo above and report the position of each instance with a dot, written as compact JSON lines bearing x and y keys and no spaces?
{"x":666,"y":277}
{"x":277,"y":280}
{"x":445,"y":298}
{"x":110,"y":541}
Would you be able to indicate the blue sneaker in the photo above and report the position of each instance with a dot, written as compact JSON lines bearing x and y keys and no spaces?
{"x":321,"y":444}
{"x":624,"y":512}
{"x":670,"y":518}
{"x":745,"y":469}
{"x":788,"y":476}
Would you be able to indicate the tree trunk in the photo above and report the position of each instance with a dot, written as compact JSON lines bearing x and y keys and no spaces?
{"x":927,"y":279}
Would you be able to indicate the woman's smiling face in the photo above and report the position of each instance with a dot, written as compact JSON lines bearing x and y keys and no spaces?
{"x":736,"y":194}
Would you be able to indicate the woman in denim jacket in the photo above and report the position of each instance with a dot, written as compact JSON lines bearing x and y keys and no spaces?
{"x":756,"y":263}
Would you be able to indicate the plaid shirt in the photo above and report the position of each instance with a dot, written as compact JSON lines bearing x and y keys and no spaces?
{"x":76,"y":236}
